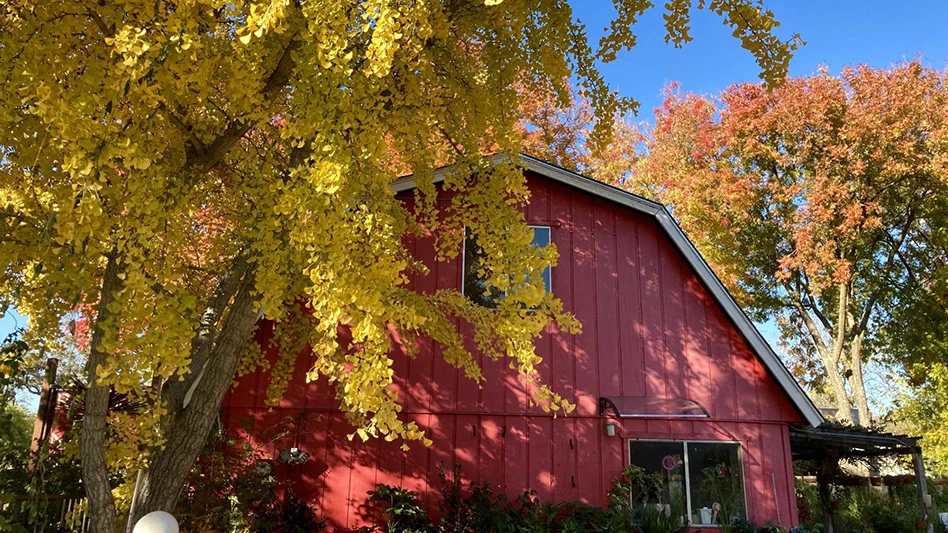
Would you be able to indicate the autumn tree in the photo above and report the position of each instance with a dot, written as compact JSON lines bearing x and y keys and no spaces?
{"x":562,"y":134}
{"x":183,"y":169}
{"x":816,"y":204}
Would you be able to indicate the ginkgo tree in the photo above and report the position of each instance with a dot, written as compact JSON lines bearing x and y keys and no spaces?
{"x":178,"y":170}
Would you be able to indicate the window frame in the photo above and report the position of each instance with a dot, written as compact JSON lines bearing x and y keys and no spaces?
{"x":687,"y":473}
{"x":534,"y":227}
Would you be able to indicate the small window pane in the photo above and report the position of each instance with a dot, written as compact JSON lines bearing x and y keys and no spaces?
{"x":717,"y":484}
{"x":474,"y":287}
{"x":541,"y":238}
{"x":662,"y":461}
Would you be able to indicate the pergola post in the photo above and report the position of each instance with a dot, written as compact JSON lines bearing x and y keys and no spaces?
{"x":827,"y":469}
{"x":45,"y":416}
{"x":922,"y":489}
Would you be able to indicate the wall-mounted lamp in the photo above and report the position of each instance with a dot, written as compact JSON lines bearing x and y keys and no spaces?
{"x":610,"y":429}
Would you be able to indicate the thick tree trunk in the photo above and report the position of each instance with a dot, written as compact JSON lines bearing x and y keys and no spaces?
{"x":169,"y":467}
{"x":857,"y":383}
{"x":95,"y":473}
{"x":829,"y":355}
{"x":843,"y":405}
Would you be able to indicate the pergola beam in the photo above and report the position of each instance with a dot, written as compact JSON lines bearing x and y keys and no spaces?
{"x":829,"y":445}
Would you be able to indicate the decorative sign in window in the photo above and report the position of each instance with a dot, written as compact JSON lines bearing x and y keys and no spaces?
{"x":474,"y":286}
{"x":699,"y":483}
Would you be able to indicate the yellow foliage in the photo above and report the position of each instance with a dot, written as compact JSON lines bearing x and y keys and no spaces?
{"x":185,"y":137}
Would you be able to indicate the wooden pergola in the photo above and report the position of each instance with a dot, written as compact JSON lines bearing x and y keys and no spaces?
{"x":827,"y":445}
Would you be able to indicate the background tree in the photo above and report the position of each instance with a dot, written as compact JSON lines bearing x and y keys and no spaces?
{"x":16,"y":424}
{"x":182,"y":169}
{"x":562,"y":135}
{"x":815,"y":203}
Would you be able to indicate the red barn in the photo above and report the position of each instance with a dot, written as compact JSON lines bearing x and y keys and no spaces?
{"x":668,"y":374}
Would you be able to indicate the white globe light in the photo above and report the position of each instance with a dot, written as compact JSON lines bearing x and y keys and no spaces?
{"x":156,"y":522}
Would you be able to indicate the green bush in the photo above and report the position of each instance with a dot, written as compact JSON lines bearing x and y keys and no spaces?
{"x":402,"y":509}
{"x":228,"y":494}
{"x":652,"y":520}
{"x":862,"y":509}
{"x":478,"y":509}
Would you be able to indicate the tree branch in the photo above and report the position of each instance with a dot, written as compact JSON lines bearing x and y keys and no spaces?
{"x":204,"y":339}
{"x":196,"y":143}
{"x":812,"y":302}
{"x":894,"y":252}
{"x":840,"y":338}
{"x":811,"y":326}
{"x":108,"y":31}
{"x":275,"y":85}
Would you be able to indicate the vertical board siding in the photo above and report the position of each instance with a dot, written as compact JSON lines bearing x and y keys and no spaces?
{"x":540,"y":442}
{"x":584,"y":304}
{"x":564,"y":459}
{"x":650,"y":328}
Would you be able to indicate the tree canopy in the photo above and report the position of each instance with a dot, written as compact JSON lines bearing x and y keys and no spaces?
{"x":816,"y":203}
{"x":820,"y":205}
{"x":176,"y":170}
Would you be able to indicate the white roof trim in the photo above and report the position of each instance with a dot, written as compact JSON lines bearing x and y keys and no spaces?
{"x":733,"y":311}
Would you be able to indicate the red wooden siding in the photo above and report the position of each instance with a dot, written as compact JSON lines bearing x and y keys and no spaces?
{"x":649,"y":328}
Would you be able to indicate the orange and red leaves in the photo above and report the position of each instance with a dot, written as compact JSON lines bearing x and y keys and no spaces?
{"x":823,"y":162}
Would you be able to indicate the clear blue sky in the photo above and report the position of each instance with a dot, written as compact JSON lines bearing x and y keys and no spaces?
{"x":837,"y":33}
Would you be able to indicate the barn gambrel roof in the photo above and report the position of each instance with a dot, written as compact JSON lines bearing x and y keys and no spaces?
{"x":681,"y":242}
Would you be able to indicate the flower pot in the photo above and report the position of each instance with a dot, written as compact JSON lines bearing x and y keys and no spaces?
{"x":705,"y":515}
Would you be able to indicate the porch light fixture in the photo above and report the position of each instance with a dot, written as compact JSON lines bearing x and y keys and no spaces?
{"x":610,"y":429}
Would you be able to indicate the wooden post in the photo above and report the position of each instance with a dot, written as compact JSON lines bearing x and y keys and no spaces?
{"x":922,"y":489}
{"x":825,"y":475}
{"x":45,"y":415}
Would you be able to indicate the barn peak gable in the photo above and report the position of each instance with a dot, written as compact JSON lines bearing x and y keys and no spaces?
{"x":688,"y":252}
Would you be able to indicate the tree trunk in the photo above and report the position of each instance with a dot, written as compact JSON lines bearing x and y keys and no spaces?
{"x":169,"y":467}
{"x":857,"y":383}
{"x":843,"y":405}
{"x":95,"y":472}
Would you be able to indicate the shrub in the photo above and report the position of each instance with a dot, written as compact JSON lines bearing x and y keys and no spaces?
{"x":652,"y":520}
{"x":478,"y":509}
{"x":770,"y":527}
{"x":742,"y":525}
{"x":861,"y":509}
{"x":402,"y":509}
{"x":228,"y":493}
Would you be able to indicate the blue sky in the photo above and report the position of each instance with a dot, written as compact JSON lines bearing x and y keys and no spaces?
{"x":837,"y":33}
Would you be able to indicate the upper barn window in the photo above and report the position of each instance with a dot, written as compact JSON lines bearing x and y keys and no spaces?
{"x":473,"y":283}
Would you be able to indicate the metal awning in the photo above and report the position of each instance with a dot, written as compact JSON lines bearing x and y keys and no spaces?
{"x":649,"y":407}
